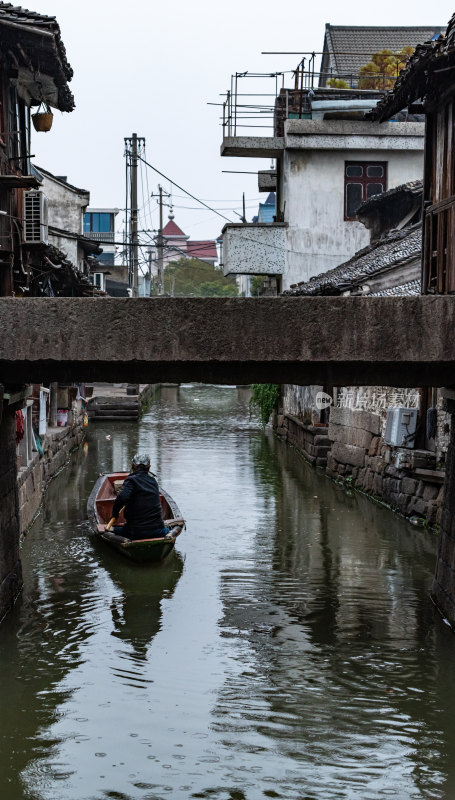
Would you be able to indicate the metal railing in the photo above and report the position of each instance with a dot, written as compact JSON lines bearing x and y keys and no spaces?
{"x":251,"y":109}
{"x":97,"y":236}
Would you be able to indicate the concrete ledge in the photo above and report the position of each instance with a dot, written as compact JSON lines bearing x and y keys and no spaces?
{"x":253,"y":146}
{"x":338,"y":341}
{"x":353,"y":135}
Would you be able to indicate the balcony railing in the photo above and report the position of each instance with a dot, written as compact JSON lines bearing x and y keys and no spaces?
{"x":244,"y":107}
{"x":98,"y":236}
{"x":254,"y":248}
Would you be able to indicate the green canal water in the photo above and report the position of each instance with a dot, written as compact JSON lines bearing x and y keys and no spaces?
{"x":288,"y":650}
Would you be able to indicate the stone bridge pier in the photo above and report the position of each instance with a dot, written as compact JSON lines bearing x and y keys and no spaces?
{"x":337,"y":341}
{"x":10,"y":566}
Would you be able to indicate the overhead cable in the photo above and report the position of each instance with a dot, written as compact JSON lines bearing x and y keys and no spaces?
{"x":184,"y":190}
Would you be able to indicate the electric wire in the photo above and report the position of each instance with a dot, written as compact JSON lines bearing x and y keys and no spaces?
{"x":184,"y":190}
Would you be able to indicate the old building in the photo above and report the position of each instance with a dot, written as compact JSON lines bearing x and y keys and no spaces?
{"x":66,"y":206}
{"x":178,"y":245}
{"x":427,"y":84}
{"x":34,"y":73}
{"x":347,"y":48}
{"x":330,"y":158}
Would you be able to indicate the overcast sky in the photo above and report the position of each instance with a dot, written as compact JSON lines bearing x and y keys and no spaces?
{"x":152,"y":67}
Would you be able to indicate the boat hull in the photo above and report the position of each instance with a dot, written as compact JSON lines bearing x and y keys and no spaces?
{"x":99,"y":509}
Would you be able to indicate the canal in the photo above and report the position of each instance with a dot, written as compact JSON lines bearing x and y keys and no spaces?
{"x":288,"y":650}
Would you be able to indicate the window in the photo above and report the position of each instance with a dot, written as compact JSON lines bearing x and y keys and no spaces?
{"x":106,"y":258}
{"x":98,"y":280}
{"x":362,"y":180}
{"x":95,"y":222}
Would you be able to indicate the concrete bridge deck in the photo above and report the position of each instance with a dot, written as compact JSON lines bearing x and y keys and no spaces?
{"x":325,"y":340}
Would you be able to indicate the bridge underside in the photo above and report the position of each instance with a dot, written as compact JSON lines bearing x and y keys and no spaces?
{"x":317,"y":340}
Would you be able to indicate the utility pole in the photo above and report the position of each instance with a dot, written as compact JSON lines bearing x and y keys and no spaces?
{"x":160,"y":245}
{"x":160,"y":239}
{"x":134,"y":240}
{"x":131,"y":151}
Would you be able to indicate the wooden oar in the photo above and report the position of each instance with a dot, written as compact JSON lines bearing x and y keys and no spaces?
{"x":112,"y":520}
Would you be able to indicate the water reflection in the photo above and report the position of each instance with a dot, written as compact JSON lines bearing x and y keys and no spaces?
{"x":137,"y":608}
{"x":288,"y":650}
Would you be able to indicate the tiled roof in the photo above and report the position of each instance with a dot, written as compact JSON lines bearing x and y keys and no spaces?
{"x":171,"y":230}
{"x":399,"y":247}
{"x":408,"y":289}
{"x":351,"y":47}
{"x":52,"y":56}
{"x":416,"y":80}
{"x":14,"y":13}
{"x":40,"y":172}
{"x":411,"y":187}
{"x":202,"y":249}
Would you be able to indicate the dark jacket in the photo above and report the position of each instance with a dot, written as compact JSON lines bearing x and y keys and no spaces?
{"x":141,"y":497}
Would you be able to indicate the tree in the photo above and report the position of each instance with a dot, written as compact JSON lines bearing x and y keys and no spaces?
{"x":256,"y":285}
{"x":190,"y":277}
{"x":337,"y":83}
{"x":383,"y":69}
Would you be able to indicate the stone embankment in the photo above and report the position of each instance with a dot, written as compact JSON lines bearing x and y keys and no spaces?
{"x":405,"y":479}
{"x":311,"y":440}
{"x":351,"y":449}
{"x":33,"y":479}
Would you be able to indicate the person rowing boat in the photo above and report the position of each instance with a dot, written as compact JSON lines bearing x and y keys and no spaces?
{"x":140,"y":500}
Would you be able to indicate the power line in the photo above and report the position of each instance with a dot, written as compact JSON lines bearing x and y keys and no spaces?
{"x":184,"y":190}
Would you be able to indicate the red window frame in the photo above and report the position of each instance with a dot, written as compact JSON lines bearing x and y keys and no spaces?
{"x":363,"y":180}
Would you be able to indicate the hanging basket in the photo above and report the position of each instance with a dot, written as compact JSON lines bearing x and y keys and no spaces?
{"x":42,"y":120}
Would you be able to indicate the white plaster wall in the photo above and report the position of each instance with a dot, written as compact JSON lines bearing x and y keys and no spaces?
{"x":300,"y":401}
{"x":68,"y":246}
{"x":318,"y":237}
{"x":66,"y":206}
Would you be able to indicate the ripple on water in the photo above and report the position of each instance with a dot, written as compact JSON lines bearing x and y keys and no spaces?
{"x":291,"y":655}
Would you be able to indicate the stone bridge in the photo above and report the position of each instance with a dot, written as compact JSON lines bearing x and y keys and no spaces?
{"x":304,"y":340}
{"x":318,"y":340}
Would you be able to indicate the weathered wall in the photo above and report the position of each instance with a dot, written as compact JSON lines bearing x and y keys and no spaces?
{"x":10,"y":567}
{"x":443,"y":589}
{"x":66,"y":204}
{"x":318,"y":237}
{"x":311,"y":440}
{"x":334,"y":341}
{"x":33,"y":479}
{"x":300,"y":401}
{"x":254,"y":249}
{"x":68,"y":246}
{"x":359,"y":455}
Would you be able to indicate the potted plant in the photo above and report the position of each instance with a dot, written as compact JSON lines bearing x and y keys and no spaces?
{"x":43,"y":118}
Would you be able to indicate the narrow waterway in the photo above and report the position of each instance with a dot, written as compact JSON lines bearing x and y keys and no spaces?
{"x":289,"y":649}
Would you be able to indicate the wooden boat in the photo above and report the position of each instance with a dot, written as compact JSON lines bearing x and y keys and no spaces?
{"x":99,"y":508}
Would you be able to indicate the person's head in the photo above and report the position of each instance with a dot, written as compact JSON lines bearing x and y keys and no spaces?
{"x":141,"y":461}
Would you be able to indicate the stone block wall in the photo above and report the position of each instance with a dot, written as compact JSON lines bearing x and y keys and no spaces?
{"x":10,"y":567}
{"x":443,"y":588}
{"x":359,"y":455}
{"x":33,"y":479}
{"x":311,"y":440}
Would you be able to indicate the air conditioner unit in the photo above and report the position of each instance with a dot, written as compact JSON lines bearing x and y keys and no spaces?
{"x":35,"y":217}
{"x":401,"y":427}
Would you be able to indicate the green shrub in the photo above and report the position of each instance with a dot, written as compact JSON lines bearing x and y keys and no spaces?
{"x":264,"y":400}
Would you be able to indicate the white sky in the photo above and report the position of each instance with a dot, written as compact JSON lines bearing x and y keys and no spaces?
{"x":152,"y":67}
